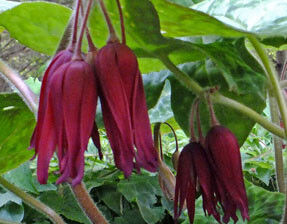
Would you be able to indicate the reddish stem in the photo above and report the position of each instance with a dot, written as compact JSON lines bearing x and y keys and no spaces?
{"x":77,"y":54}
{"x":75,"y":28}
{"x":201,"y":138}
{"x":113,"y":37}
{"x":122,"y":22}
{"x":214,"y":120}
{"x":192,"y":133}
{"x":88,"y":204}
{"x":92,"y":47}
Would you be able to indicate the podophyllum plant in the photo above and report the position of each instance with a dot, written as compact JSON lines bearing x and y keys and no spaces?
{"x":71,"y":86}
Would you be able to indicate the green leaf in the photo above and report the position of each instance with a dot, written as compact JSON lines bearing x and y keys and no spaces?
{"x":17,"y":123}
{"x":22,"y":178}
{"x":130,"y":216}
{"x":111,"y":197}
{"x":143,"y":190}
{"x":153,"y":86}
{"x":12,"y":212}
{"x":11,"y":208}
{"x":250,"y":90}
{"x":179,"y":21}
{"x":38,"y":25}
{"x":162,"y":110}
{"x":256,"y":16}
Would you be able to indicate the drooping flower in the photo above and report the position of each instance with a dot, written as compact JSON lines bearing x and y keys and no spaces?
{"x":124,"y":108}
{"x":61,"y":58}
{"x":224,"y":157}
{"x":68,"y":121}
{"x":193,"y":168}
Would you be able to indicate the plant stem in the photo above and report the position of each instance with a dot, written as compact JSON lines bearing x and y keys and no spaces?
{"x":28,"y":199}
{"x":122,"y":22}
{"x":277,"y":144}
{"x":88,"y":204}
{"x":265,"y":123}
{"x":113,"y":36}
{"x":27,"y":94}
{"x":272,"y":76}
{"x":182,"y":77}
{"x":78,"y":54}
{"x":75,"y":26}
{"x":192,"y":114}
{"x":193,"y":86}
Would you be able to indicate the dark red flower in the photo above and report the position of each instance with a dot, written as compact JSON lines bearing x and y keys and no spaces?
{"x":224,"y":157}
{"x":124,"y":108}
{"x":193,"y":168}
{"x":67,"y":120}
{"x":59,"y":59}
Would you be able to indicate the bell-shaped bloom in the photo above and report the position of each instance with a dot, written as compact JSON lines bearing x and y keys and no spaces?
{"x":124,"y":108}
{"x":59,"y":59}
{"x":67,"y":121}
{"x":193,"y":169}
{"x":225,"y":161}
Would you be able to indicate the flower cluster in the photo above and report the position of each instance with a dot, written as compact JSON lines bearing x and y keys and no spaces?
{"x":212,"y":166}
{"x":68,"y":102}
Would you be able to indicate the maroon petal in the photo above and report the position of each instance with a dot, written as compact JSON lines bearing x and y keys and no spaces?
{"x":115,"y":107}
{"x":146,"y":154}
{"x":79,"y":115}
{"x":205,"y":179}
{"x":59,"y":59}
{"x":185,"y":183}
{"x":225,"y":158}
{"x":46,"y":145}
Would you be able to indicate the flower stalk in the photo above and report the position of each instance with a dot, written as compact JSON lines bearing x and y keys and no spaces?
{"x":277,"y":144}
{"x":29,"y":97}
{"x":28,"y":199}
{"x":122,"y":22}
{"x":88,"y":205}
{"x":113,"y":36}
{"x":193,"y":86}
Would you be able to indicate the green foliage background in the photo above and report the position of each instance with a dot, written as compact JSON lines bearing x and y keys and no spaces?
{"x":206,"y":40}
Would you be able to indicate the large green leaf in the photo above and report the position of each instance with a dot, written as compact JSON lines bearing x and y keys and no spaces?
{"x":250,"y":89}
{"x":180,"y":21}
{"x":256,"y":16}
{"x":17,"y":123}
{"x":38,"y":25}
{"x":22,"y":178}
